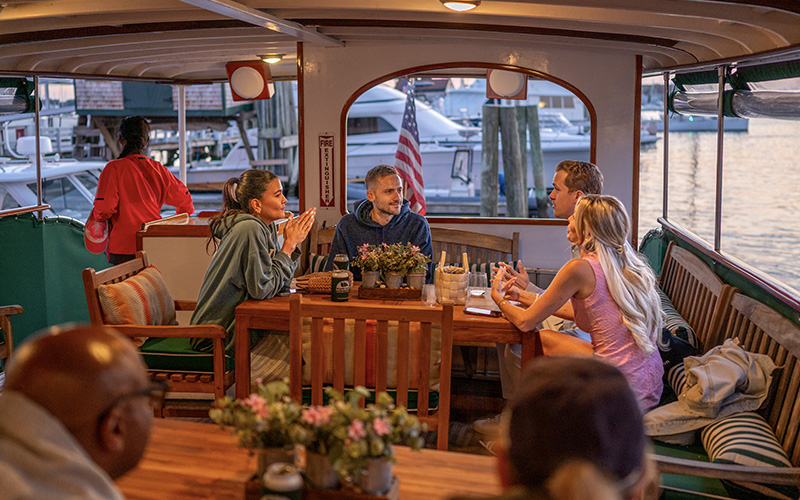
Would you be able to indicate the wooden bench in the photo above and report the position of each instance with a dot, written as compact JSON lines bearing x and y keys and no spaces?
{"x":717,"y":312}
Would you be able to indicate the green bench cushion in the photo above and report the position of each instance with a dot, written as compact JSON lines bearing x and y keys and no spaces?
{"x":175,"y":355}
{"x":678,"y":487}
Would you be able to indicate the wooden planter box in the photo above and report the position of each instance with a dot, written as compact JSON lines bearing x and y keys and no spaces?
{"x":390,"y":293}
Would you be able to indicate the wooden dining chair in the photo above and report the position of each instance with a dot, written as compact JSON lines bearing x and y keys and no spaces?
{"x":132,"y":298}
{"x":7,"y":340}
{"x":369,"y":350}
{"x":483,"y":251}
{"x":480,"y":248}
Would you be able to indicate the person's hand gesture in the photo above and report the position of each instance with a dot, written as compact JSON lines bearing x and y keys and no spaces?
{"x":296,"y":229}
{"x":498,"y":291}
{"x":520,"y":275}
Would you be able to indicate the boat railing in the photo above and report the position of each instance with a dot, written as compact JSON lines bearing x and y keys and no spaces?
{"x":24,"y":210}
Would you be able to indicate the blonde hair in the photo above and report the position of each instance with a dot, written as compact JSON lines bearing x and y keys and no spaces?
{"x":602,"y":226}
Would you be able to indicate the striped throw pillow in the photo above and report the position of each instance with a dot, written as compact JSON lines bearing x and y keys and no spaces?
{"x":675,"y":323}
{"x":746,"y":439}
{"x":316,"y":263}
{"x":139,"y":300}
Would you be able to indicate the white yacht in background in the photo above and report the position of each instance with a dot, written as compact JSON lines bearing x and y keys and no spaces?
{"x":451,"y":152}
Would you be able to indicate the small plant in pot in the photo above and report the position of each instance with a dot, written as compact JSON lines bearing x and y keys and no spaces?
{"x":368,"y":260}
{"x":263,"y":422}
{"x":393,"y":263}
{"x":367,"y":436}
{"x":418,"y":266}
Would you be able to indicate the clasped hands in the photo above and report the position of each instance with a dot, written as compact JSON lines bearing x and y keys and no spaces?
{"x":296,"y":229}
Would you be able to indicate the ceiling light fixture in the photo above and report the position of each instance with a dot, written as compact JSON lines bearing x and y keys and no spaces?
{"x":460,"y":5}
{"x":272,"y":58}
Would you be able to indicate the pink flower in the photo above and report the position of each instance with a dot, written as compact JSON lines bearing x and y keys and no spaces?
{"x":381,"y":426}
{"x":356,"y":430}
{"x":414,"y":248}
{"x":258,"y":404}
{"x":317,"y":415}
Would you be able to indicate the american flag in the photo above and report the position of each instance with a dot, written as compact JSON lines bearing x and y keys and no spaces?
{"x":407,"y":160}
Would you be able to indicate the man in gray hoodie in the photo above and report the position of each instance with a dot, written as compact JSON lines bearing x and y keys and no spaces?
{"x":384,"y":217}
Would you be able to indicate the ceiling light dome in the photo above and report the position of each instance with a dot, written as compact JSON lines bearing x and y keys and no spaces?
{"x":272,"y":58}
{"x":460,"y":5}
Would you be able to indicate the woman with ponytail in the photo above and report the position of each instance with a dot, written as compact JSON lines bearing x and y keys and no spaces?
{"x":249,"y":263}
{"x":133,"y":188}
{"x":610,"y":292}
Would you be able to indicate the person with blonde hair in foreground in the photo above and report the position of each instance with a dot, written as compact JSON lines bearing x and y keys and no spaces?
{"x":610,"y":292}
{"x":573,"y":431}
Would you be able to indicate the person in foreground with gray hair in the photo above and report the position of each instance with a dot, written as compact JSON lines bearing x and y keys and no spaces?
{"x":77,"y":410}
{"x":574,"y":431}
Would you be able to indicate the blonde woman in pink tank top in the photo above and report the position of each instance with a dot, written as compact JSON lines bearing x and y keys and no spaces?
{"x":610,"y":292}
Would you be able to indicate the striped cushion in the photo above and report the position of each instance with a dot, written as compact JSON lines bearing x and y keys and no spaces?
{"x":316,"y":263}
{"x":747,"y":439}
{"x":676,"y":378}
{"x":673,"y":350}
{"x":675,"y":323}
{"x":139,"y":300}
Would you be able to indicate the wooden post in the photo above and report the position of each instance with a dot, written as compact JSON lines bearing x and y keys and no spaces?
{"x":516,"y":181}
{"x":537,"y":163}
{"x":489,"y":167}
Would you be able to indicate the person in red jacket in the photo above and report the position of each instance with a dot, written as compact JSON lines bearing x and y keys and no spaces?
{"x":132,"y":189}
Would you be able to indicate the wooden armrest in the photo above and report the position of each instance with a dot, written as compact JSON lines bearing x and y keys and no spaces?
{"x":686,"y":467}
{"x":185,"y":305}
{"x":191,"y":331}
{"x":6,"y":310}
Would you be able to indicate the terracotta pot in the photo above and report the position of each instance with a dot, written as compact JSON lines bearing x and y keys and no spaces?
{"x":376,"y":477}
{"x":269,"y":456}
{"x":369,"y":278}
{"x":319,"y":471}
{"x":394,"y":280}
{"x":416,"y":280}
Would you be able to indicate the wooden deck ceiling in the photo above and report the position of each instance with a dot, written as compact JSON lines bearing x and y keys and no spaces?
{"x":191,"y":40}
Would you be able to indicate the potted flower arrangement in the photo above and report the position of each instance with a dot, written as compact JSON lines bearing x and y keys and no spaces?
{"x":417,"y":265}
{"x":393,"y":263}
{"x":264,"y":422}
{"x":359,"y":441}
{"x":368,"y":260}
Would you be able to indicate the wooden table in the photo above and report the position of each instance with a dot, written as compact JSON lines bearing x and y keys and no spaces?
{"x":188,"y":460}
{"x":274,"y":314}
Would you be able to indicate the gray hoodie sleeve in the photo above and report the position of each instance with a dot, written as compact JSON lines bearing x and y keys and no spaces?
{"x":266,"y":268}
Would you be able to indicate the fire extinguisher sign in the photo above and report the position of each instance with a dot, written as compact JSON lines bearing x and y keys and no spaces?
{"x":327,"y":196}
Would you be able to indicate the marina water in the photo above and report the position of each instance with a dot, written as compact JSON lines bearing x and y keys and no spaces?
{"x":760,"y":204}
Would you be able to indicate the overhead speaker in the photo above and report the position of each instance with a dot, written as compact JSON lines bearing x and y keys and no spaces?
{"x":250,"y":80}
{"x":502,"y":84}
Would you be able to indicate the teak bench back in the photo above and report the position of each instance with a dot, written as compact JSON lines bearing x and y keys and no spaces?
{"x":718,"y":312}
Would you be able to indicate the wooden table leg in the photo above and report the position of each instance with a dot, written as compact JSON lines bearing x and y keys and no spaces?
{"x":241,"y":352}
{"x":531,"y":346}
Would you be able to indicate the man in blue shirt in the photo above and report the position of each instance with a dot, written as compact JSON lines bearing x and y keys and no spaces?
{"x":384,"y":217}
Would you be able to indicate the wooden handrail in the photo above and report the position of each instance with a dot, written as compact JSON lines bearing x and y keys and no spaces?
{"x":24,"y":210}
{"x":688,"y":467}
